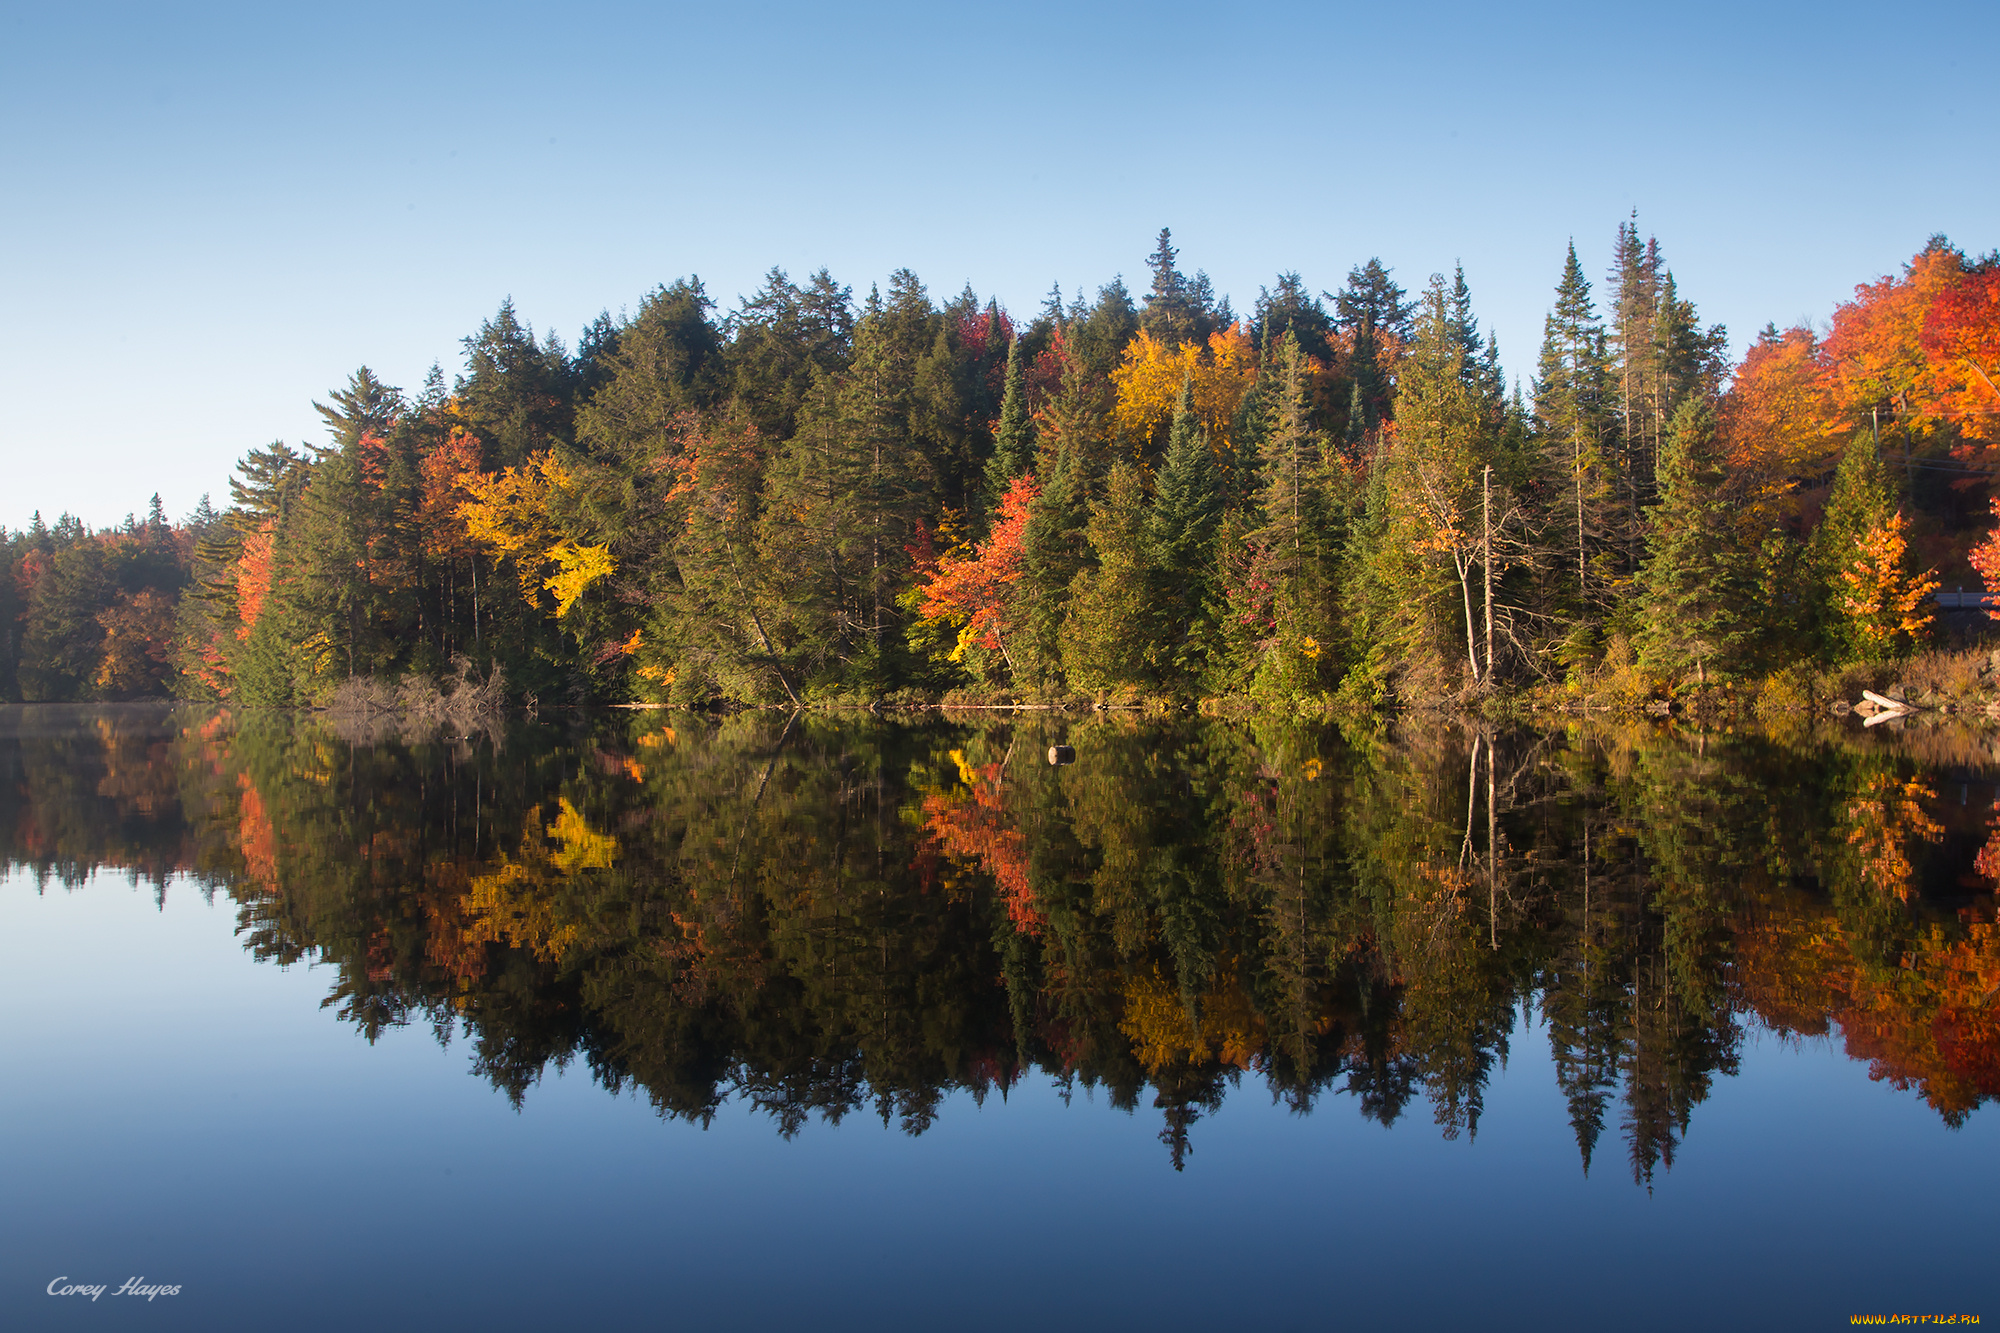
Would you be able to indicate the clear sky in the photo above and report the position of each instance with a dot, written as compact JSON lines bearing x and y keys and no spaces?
{"x":211,"y":214}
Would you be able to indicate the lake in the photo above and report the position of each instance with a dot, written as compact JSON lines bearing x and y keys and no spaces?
{"x":763,"y":1021}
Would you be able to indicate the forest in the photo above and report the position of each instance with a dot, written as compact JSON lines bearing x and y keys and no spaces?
{"x":1333,"y":502}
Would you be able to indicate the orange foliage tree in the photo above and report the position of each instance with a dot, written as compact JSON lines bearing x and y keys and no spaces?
{"x":1874,"y":353}
{"x":1779,"y":426}
{"x":1885,"y":603}
{"x":1961,"y":338}
{"x":138,"y":643}
{"x":254,"y":566}
{"x":1985,"y":558}
{"x":974,"y":592}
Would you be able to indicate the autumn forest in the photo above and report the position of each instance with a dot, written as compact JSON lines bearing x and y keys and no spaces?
{"x":1334,"y":501}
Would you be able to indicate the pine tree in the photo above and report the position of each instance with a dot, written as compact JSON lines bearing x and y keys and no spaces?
{"x":1013,"y":438}
{"x":1699,"y":587}
{"x":1172,"y":311}
{"x":1053,"y":553}
{"x":1573,"y":430}
{"x":365,"y":407}
{"x":1111,"y":636}
{"x":1187,"y":506}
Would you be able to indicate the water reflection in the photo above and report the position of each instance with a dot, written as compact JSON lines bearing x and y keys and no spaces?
{"x":826,"y":916}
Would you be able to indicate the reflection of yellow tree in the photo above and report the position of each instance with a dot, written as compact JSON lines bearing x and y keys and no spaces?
{"x":1448,"y":995}
{"x":1883,"y":818}
{"x":1163,"y":1033}
{"x":519,"y":902}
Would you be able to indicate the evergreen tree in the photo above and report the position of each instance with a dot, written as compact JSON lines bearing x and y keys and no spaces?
{"x":1370,"y":310}
{"x":1633,"y":349}
{"x":664,"y":362}
{"x":1170,"y":314}
{"x":516,"y":394}
{"x":1574,"y":431}
{"x":1699,"y":594}
{"x":1372,"y":300}
{"x":1111,"y":635}
{"x":1288,"y":584}
{"x":61,"y":637}
{"x":778,"y":338}
{"x":1187,"y":506}
{"x":1053,"y":552}
{"x":1294,"y":310}
{"x":365,"y":407}
{"x":1865,"y":497}
{"x":1443,"y":443}
{"x":1098,"y":336}
{"x":1013,"y":438}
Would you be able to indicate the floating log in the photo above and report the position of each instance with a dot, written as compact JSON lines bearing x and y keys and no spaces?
{"x":1062,"y":754}
{"x":1884,"y":701}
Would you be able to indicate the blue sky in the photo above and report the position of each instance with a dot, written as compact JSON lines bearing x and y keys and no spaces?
{"x":212,"y":214}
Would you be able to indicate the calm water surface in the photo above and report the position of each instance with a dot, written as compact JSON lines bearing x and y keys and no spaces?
{"x":754,"y":1022}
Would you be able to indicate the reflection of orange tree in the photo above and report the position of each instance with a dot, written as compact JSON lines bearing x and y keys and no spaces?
{"x":256,"y":838}
{"x":1882,"y":819}
{"x":1927,"y":1023}
{"x":974,"y":826}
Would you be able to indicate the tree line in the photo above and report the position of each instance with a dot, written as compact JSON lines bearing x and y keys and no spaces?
{"x":1337,"y":499}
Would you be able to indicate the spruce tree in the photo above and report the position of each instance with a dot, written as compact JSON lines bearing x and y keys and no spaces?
{"x":1370,"y":309}
{"x":1111,"y":637}
{"x":1296,"y":537}
{"x":1187,"y":506}
{"x":1171,"y":309}
{"x":1053,"y":552}
{"x":1573,"y":431}
{"x":516,"y":394}
{"x":1013,"y":437}
{"x":1699,"y":585}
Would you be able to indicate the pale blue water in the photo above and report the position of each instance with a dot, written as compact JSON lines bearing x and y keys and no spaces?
{"x":173,"y":1110}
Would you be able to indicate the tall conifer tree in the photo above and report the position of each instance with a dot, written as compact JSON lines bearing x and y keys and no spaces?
{"x":1699,"y":586}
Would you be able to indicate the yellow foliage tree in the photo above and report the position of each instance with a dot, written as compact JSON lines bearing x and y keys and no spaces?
{"x":578,"y":568}
{"x":1149,"y":381}
{"x":514,"y":515}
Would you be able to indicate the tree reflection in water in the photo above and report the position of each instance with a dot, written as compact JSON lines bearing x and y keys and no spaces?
{"x":822,"y":915}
